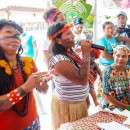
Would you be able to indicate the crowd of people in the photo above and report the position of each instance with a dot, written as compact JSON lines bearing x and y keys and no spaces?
{"x":73,"y":67}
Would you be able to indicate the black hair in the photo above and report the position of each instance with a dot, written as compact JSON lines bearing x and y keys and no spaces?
{"x":106,"y":23}
{"x":4,"y":22}
{"x":56,"y":48}
{"x":50,"y":12}
{"x":7,"y":82}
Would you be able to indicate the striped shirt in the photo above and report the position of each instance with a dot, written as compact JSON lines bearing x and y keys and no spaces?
{"x":64,"y":88}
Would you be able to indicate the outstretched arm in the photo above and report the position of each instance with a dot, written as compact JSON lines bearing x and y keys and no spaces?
{"x":116,"y":102}
{"x":105,"y":55}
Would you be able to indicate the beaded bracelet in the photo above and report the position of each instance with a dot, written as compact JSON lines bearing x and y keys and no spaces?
{"x":22,"y":92}
{"x":86,"y":59}
{"x":14,"y":96}
{"x":129,"y":108}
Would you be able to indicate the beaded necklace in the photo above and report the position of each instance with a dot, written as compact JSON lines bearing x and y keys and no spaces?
{"x":74,"y":57}
{"x":79,"y":61}
{"x":24,"y":108}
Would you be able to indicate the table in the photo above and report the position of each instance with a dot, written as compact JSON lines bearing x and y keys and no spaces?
{"x":89,"y":123}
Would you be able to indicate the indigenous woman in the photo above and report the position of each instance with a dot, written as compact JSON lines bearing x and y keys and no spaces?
{"x":72,"y":73}
{"x":109,"y":42}
{"x":116,"y":80}
{"x":51,"y":16}
{"x":18,"y":77}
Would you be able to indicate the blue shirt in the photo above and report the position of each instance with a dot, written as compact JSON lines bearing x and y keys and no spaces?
{"x":109,"y":44}
{"x":27,"y":44}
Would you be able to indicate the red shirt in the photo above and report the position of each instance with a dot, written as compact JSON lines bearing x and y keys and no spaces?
{"x":9,"y":119}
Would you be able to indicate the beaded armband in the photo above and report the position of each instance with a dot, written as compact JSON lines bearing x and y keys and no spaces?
{"x":16,"y":95}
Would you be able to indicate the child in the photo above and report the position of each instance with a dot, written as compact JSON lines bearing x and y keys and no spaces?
{"x":94,"y":70}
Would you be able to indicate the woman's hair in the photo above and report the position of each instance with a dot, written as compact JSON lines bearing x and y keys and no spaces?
{"x":123,"y":48}
{"x":7,"y":81}
{"x":56,"y":48}
{"x":106,"y":23}
{"x":96,"y":52}
{"x":51,"y":15}
{"x":4,"y":22}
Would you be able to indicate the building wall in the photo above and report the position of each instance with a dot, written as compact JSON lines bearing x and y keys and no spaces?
{"x":22,"y":16}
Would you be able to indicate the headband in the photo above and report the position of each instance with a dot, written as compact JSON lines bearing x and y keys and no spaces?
{"x":66,"y":27}
{"x":123,"y":48}
{"x":52,"y":16}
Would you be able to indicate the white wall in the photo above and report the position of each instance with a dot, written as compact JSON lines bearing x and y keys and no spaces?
{"x":22,"y":16}
{"x":3,"y":15}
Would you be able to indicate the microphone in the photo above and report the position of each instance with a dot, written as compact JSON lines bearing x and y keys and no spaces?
{"x":98,"y":47}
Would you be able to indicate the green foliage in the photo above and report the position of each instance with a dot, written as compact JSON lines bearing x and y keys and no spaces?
{"x":107,"y":17}
{"x":58,"y":3}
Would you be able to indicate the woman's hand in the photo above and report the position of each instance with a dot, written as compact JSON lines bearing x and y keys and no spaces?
{"x":85,"y":47}
{"x":33,"y":81}
{"x":43,"y":86}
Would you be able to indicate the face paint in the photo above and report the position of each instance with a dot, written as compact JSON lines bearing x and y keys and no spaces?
{"x":16,"y":46}
{"x":14,"y":36}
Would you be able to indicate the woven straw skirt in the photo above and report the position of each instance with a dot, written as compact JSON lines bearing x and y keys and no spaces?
{"x":63,"y":111}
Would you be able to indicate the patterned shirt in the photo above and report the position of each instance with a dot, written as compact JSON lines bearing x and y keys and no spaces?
{"x":117,"y":84}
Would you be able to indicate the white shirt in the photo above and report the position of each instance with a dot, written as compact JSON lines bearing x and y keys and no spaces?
{"x":78,"y":38}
